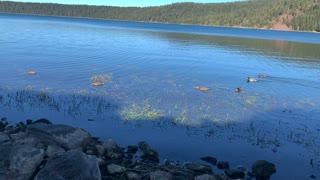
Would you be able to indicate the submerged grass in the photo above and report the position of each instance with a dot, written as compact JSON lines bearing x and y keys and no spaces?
{"x":143,"y":111}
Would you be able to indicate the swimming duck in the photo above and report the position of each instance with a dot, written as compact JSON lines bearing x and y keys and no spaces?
{"x":203,"y":89}
{"x":238,"y":89}
{"x":97,"y":83}
{"x":250,"y":79}
{"x":262,"y":76}
{"x":31,"y":72}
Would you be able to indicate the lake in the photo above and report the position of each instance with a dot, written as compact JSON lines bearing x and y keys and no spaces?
{"x":150,"y":72}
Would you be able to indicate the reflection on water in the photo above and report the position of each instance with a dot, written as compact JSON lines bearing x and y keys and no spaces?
{"x":148,"y":91}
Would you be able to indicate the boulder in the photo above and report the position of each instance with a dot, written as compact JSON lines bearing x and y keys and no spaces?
{"x":199,"y":168}
{"x":210,"y":160}
{"x":115,"y":169}
{"x":262,"y":169}
{"x":112,"y":150}
{"x":206,"y":177}
{"x":71,"y":165}
{"x":53,"y":151}
{"x":223,"y":165}
{"x":148,"y":153}
{"x":59,"y":135}
{"x":160,"y":175}
{"x":4,"y":137}
{"x":18,"y":161}
{"x":234,"y":173}
{"x":133,"y":176}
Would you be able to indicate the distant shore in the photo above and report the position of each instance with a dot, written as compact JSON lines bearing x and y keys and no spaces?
{"x":155,"y":22}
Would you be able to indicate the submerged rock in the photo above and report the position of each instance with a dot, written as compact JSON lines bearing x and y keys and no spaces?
{"x":72,"y":164}
{"x":263,"y":169}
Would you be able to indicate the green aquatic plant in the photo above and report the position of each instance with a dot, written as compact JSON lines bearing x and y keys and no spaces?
{"x":141,"y":112}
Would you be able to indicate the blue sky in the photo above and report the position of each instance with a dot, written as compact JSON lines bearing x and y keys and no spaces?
{"x":140,"y":3}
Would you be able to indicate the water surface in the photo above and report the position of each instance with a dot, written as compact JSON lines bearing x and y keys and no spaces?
{"x":150,"y":71}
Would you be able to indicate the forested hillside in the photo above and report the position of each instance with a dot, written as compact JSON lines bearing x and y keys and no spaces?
{"x":301,"y":15}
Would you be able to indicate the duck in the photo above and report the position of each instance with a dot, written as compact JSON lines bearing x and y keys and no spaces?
{"x":251,"y":79}
{"x":262,"y":76}
{"x":203,"y":89}
{"x":97,"y":83}
{"x":31,"y":72}
{"x":238,"y":89}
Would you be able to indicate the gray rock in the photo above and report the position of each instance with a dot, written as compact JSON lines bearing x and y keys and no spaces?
{"x":206,"y":177}
{"x":18,"y":136}
{"x":72,"y":165}
{"x":235,"y":173}
{"x":4,"y":137}
{"x":53,"y":151}
{"x":115,"y":169}
{"x":24,"y":161}
{"x":100,"y":150}
{"x":160,"y":175}
{"x":59,"y":135}
{"x":263,"y":169}
{"x":199,"y":168}
{"x":112,"y":150}
{"x":133,"y":176}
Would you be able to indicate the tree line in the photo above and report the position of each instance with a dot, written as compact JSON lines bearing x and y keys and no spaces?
{"x":300,"y":15}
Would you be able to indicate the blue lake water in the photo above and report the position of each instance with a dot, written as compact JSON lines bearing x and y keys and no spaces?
{"x":149,"y":71}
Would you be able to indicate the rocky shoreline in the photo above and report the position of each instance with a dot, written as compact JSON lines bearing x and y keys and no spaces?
{"x":42,"y":150}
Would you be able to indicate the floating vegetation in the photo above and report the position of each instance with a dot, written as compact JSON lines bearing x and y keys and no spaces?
{"x":141,"y":112}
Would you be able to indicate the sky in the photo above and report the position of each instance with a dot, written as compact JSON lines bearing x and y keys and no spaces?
{"x":124,"y":3}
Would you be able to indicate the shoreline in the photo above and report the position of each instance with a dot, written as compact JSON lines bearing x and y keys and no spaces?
{"x":36,"y":149}
{"x":155,"y":22}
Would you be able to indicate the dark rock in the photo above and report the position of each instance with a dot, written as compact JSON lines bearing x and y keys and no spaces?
{"x":313,"y":177}
{"x":223,"y":165}
{"x":206,"y":177}
{"x":59,"y":135}
{"x":199,"y":168}
{"x":148,"y":153}
{"x":100,"y":150}
{"x":42,"y":120}
{"x":72,"y":164}
{"x":263,"y":169}
{"x":234,"y":173}
{"x":2,"y":126}
{"x":160,"y":175}
{"x":21,"y":126}
{"x":4,"y":119}
{"x":29,"y":121}
{"x":132,"y":149}
{"x":112,"y":150}
{"x":210,"y":160}
{"x":115,"y":169}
